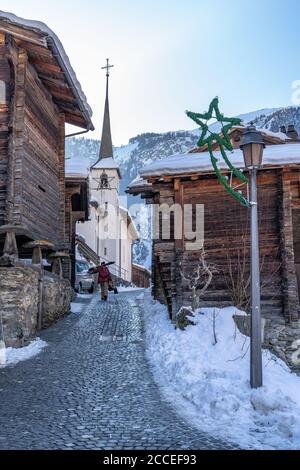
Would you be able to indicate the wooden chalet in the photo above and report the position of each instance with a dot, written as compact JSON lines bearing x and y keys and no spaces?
{"x":77,"y":210}
{"x":141,"y":276}
{"x":39,"y":94}
{"x":189,"y":179}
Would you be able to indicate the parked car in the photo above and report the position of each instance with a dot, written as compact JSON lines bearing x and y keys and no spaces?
{"x":84,"y":281}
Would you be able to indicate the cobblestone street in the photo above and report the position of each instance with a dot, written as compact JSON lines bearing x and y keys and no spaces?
{"x":92,"y":388}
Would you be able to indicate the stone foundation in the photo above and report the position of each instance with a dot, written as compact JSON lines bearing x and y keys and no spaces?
{"x":20,"y":298}
{"x":278,"y":336}
{"x":56,"y":299}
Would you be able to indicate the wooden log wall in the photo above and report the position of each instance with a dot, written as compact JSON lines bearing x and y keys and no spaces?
{"x":41,"y":208}
{"x":227,"y":244}
{"x":290,"y":229}
{"x":164,"y":254}
{"x":6,"y":94}
{"x":227,"y":240}
{"x":32,"y":177}
{"x":140,"y":276}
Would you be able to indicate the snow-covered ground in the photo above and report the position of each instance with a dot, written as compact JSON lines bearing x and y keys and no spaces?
{"x":77,"y":307}
{"x":13,"y":356}
{"x":128,"y":289}
{"x":208,"y":381}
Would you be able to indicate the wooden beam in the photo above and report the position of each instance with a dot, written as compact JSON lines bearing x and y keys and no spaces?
{"x":177,"y":184}
{"x":46,"y":66}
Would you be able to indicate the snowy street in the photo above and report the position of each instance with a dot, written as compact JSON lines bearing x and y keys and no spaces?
{"x":204,"y":371}
{"x":92,"y":388}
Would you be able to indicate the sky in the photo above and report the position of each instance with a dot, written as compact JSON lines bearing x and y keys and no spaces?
{"x":173,"y":55}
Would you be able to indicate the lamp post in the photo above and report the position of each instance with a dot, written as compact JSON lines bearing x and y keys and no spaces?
{"x":252,"y":147}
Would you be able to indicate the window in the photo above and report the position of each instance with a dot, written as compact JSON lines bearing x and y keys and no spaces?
{"x":81,"y":267}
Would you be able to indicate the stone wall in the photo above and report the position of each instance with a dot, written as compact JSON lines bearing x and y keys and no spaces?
{"x":19,"y":302}
{"x":56,"y":299}
{"x":19,"y":296}
{"x":278,"y":336}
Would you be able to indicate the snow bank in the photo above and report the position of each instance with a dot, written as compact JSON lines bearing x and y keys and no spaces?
{"x":13,"y":356}
{"x":128,"y":289}
{"x":209,"y":383}
{"x":77,"y":307}
{"x":282,"y":154}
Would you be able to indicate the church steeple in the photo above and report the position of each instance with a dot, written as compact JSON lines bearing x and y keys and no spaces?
{"x":106,"y":148}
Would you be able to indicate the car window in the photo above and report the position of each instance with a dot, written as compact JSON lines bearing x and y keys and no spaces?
{"x":81,"y":267}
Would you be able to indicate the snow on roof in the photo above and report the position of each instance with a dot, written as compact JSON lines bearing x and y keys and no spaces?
{"x":106,"y":163}
{"x":77,"y":167}
{"x":137,"y":182}
{"x":140,"y":266}
{"x":132,"y":227}
{"x":45,"y":30}
{"x":267,"y":132}
{"x":282,"y":154}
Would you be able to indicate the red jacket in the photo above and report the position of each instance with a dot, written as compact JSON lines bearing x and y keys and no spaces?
{"x":104,"y":274}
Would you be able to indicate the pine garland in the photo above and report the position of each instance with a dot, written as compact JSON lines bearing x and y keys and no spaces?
{"x":223,"y":140}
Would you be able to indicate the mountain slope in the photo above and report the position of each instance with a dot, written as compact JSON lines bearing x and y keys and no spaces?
{"x":146,"y":148}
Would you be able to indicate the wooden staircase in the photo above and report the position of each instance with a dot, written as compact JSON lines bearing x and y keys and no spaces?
{"x":87,"y":252}
{"x":117,"y":272}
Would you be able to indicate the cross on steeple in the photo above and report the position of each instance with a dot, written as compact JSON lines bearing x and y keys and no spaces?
{"x":106,"y":148}
{"x":107,"y":67}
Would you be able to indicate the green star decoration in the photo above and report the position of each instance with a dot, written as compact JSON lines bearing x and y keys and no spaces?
{"x":222,"y":139}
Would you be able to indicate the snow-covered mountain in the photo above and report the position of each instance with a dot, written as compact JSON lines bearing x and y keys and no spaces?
{"x":146,"y":148}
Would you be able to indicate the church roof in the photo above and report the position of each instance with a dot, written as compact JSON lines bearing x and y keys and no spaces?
{"x":107,"y":163}
{"x":106,"y":147}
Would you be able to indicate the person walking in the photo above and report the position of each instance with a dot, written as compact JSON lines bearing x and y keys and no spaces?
{"x":104,"y":278}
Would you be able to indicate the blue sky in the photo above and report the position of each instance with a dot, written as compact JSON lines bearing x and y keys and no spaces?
{"x":173,"y":55}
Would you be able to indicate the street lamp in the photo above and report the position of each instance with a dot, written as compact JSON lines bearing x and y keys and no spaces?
{"x":252,"y":147}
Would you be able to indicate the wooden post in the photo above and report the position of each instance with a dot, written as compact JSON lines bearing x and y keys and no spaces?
{"x":57,"y":267}
{"x":62,"y":184}
{"x":16,"y":150}
{"x":179,"y":226}
{"x":41,"y":299}
{"x":57,"y":262}
{"x":10,"y":245}
{"x":290,"y":285}
{"x":37,"y":247}
{"x":37,"y":257}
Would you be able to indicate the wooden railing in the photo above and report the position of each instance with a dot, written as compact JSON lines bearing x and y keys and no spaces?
{"x":91,"y":256}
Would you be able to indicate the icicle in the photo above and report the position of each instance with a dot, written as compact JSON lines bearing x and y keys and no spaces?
{"x":2,"y":344}
{"x":2,"y":353}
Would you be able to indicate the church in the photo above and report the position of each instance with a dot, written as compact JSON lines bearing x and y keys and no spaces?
{"x":110,"y":230}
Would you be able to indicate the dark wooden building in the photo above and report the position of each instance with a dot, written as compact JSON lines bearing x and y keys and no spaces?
{"x":77,"y":210}
{"x":188,"y":179}
{"x":39,"y":94}
{"x":141,"y":276}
